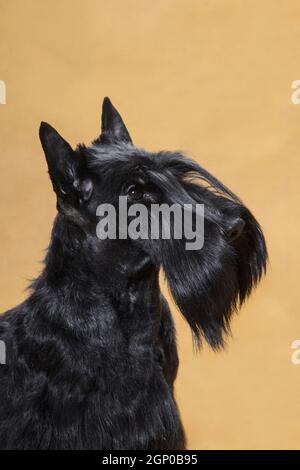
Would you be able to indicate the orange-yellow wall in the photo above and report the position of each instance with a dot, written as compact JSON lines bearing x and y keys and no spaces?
{"x":212,"y":78}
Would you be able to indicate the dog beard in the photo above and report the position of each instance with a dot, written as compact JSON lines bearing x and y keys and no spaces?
{"x":210,"y":284}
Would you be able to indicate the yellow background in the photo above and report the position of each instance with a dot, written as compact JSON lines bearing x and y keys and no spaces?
{"x":212,"y":78}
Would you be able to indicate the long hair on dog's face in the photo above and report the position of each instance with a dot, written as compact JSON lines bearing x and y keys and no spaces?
{"x":208,"y":284}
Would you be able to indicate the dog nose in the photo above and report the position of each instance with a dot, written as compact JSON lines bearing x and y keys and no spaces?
{"x":235,"y":230}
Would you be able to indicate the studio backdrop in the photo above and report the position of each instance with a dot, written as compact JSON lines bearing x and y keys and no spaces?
{"x":216,"y":79}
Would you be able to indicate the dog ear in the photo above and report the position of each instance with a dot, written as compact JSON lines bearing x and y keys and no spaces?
{"x":64,"y":165}
{"x":113,"y":129}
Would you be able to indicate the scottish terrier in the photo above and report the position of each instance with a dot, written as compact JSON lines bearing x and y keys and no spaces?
{"x":91,"y":355}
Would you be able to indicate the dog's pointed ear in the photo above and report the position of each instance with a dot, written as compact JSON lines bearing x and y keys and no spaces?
{"x":113,"y":129}
{"x":64,"y":165}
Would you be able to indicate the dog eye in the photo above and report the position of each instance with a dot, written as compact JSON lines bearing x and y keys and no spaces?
{"x":135,"y":193}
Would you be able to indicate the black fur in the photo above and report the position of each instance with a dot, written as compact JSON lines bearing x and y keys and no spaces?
{"x":91,"y":354}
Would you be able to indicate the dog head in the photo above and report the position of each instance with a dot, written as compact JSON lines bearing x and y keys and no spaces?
{"x":208,"y":284}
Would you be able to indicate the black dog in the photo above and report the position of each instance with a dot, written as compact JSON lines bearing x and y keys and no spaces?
{"x":91,"y":355}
